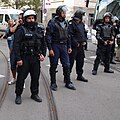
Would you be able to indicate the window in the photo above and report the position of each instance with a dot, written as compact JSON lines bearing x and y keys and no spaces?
{"x":7,"y":18}
{"x":14,"y":16}
{"x":1,"y":18}
{"x":91,"y":19}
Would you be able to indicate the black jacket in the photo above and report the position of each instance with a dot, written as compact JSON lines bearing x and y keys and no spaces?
{"x":20,"y":38}
{"x":77,"y":33}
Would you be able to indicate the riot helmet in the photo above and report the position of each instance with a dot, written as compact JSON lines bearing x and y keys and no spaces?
{"x":107,"y":14}
{"x":29,"y":13}
{"x":30,"y":24}
{"x":79,"y":14}
{"x":115,"y":19}
{"x":61,"y":9}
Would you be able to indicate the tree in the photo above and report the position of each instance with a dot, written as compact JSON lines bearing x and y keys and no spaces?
{"x":33,"y":4}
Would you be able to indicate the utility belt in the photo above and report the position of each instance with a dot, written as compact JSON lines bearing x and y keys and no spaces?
{"x":60,"y":42}
{"x":107,"y":40}
{"x":29,"y":51}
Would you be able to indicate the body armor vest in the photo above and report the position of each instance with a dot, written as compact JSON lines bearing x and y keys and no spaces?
{"x":106,"y":32}
{"x":61,"y":33}
{"x":31,"y":42}
{"x":79,"y":32}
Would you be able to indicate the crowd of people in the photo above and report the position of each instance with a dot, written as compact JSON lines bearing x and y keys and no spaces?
{"x":65,"y":40}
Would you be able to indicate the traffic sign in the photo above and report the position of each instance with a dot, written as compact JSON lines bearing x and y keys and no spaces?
{"x":47,"y":3}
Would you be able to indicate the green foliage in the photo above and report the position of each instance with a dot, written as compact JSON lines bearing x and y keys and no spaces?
{"x":33,"y":4}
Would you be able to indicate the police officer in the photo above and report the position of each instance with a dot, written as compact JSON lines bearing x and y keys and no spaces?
{"x":78,"y":41}
{"x":30,"y":49}
{"x":116,"y":31}
{"x":105,"y":39}
{"x":13,"y":29}
{"x":59,"y":46}
{"x":118,"y":41}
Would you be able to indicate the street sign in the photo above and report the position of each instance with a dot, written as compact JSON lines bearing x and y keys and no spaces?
{"x":47,"y":3}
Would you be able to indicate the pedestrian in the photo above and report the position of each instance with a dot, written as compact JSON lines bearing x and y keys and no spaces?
{"x":9,"y":34}
{"x":58,"y":43}
{"x":78,"y":41}
{"x":116,"y":30}
{"x":13,"y":63}
{"x":30,"y":49}
{"x":105,"y":39}
{"x":118,"y":42}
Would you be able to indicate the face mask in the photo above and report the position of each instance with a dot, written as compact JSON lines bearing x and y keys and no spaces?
{"x":31,"y":25}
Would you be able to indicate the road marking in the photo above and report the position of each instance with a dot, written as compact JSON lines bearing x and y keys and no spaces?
{"x":48,"y":65}
{"x":2,"y":76}
{"x":93,"y":57}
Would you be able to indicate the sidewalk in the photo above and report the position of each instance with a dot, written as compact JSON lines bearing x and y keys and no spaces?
{"x":4,"y":75}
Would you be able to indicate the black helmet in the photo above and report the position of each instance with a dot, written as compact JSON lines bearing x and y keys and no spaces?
{"x":115,"y":19}
{"x":60,"y":9}
{"x":78,"y":14}
{"x":107,"y":14}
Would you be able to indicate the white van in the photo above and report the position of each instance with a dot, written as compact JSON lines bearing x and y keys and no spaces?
{"x":6,"y":15}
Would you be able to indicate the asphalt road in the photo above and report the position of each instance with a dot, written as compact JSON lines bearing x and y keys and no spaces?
{"x":99,"y":99}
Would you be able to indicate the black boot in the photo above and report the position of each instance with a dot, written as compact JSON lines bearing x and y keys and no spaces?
{"x":53,"y":71}
{"x":81,"y":78}
{"x":112,"y":62}
{"x":68,"y":83}
{"x":108,"y":71}
{"x":70,"y":86}
{"x":94,"y":72}
{"x":107,"y":68}
{"x":53,"y":86}
{"x":36,"y":98}
{"x":18,"y":100}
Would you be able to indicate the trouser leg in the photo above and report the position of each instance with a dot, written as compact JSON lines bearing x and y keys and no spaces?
{"x":53,"y":73}
{"x":107,"y":58}
{"x":35,"y":74}
{"x":22,"y":74}
{"x":80,"y":62}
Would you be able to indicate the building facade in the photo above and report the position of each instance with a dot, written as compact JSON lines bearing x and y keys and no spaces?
{"x":72,"y":5}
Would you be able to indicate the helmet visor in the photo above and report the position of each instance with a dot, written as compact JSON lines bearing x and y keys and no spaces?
{"x":64,"y":9}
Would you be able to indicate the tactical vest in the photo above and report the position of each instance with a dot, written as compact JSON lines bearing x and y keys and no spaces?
{"x":79,"y":32}
{"x":61,"y":34}
{"x":31,"y":42}
{"x":118,"y":37}
{"x":106,"y":32}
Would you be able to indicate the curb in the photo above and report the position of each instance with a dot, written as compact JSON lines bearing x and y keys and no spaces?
{"x":5,"y":83}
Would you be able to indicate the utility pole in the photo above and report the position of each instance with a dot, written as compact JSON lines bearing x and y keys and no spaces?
{"x":87,"y":3}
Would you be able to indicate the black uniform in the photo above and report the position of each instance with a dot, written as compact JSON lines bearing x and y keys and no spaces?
{"x":78,"y":37}
{"x":28,"y":45}
{"x":104,"y":33}
{"x":58,"y":42}
{"x":116,"y":31}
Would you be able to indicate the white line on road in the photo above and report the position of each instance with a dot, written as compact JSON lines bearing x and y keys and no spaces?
{"x":1,"y":76}
{"x":92,"y":57}
{"x":49,"y":64}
